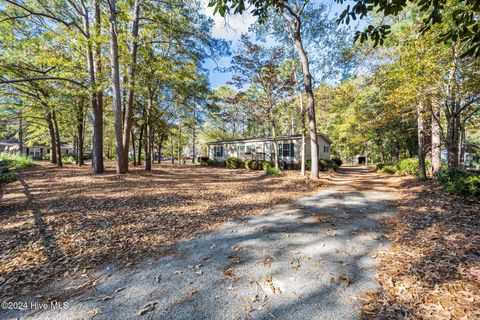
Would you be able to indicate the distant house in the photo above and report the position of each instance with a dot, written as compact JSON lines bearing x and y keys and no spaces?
{"x":289,"y":148}
{"x":33,"y":150}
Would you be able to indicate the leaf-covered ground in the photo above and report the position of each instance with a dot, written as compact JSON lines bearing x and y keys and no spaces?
{"x":59,"y":222}
{"x":431,"y":270}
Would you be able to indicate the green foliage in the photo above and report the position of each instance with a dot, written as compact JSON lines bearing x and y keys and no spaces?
{"x":408,"y":167}
{"x":10,"y":162}
{"x":15,"y":161}
{"x":461,"y":182}
{"x":337,"y":161}
{"x":405,"y":167}
{"x":203,"y":160}
{"x":324,"y":165}
{"x":275,"y":172}
{"x":6,"y":177}
{"x":381,"y":165}
{"x":252,"y":164}
{"x":68,"y":160}
{"x":233,"y":163}
{"x":267,"y":165}
{"x":388,"y":169}
{"x":215,"y":163}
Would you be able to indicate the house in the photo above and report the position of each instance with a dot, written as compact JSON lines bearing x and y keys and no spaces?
{"x":289,"y":148}
{"x":34,"y":150}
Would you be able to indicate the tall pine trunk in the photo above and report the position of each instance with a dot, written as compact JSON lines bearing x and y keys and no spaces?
{"x":133,"y":149}
{"x":295,"y":25}
{"x":127,"y":125}
{"x":80,"y":132}
{"x":436,"y":138}
{"x":58,"y":149}
{"x":96,"y":97}
{"x":148,"y":138}
{"x":122,"y":164}
{"x":53,"y":143}
{"x":421,"y":114}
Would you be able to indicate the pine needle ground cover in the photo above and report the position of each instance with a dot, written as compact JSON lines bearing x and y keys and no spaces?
{"x":431,"y":269}
{"x":60,"y":222}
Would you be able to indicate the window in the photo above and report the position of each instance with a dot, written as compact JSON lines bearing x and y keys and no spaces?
{"x":251,"y":148}
{"x":241,"y":148}
{"x":286,"y":149}
{"x":218,"y":151}
{"x":326,"y":149}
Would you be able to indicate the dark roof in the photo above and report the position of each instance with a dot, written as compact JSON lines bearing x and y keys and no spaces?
{"x":293,"y":136}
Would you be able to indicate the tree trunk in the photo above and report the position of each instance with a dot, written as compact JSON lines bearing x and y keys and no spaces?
{"x":133,"y":149}
{"x":58,"y":149}
{"x":452,"y":140}
{"x":148,"y":138}
{"x":122,"y":165}
{"x":173,"y":149}
{"x":20,"y":134}
{"x":53,"y":143}
{"x":96,"y":97}
{"x":422,"y":173}
{"x":127,"y":125}
{"x":307,"y":79}
{"x":276,"y":158}
{"x":140,"y":139}
{"x":461,"y":153}
{"x":436,"y":135}
{"x":160,"y":146}
{"x":304,"y":133}
{"x":194,"y":136}
{"x":80,"y":132}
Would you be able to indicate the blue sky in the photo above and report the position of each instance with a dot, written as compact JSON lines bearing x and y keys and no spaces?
{"x":230,"y":29}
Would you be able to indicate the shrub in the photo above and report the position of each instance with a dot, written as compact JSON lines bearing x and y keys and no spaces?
{"x":267,"y":165}
{"x":233,"y":163}
{"x":214,"y":163}
{"x":381,"y":165}
{"x":275,"y":172}
{"x":327,"y":165}
{"x":461,"y":182}
{"x":203,"y":160}
{"x":388,"y":169}
{"x":68,"y":160}
{"x":251,"y":164}
{"x":337,"y":161}
{"x":6,"y":177}
{"x":16,"y":161}
{"x":407,"y":167}
{"x":323,"y":165}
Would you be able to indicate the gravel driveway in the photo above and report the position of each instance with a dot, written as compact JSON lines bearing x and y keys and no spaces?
{"x":307,"y":260}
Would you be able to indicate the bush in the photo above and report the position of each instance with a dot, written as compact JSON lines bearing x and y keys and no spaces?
{"x":203,"y":160}
{"x":16,"y":161}
{"x":323,"y":165}
{"x":6,"y":177}
{"x":461,"y":182}
{"x":388,"y":169}
{"x":267,"y":165}
{"x":337,"y":161}
{"x":327,"y":165}
{"x":233,"y":163}
{"x":405,"y":167}
{"x":214,"y":163}
{"x":275,"y":172}
{"x":381,"y":165}
{"x":408,"y":167}
{"x":68,"y":160}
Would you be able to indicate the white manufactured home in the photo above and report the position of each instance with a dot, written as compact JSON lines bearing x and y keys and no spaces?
{"x":289,"y":148}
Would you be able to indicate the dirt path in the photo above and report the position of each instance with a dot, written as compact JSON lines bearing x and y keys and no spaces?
{"x":308,"y":260}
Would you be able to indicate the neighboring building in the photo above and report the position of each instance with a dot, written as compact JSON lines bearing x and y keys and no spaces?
{"x":33,"y":150}
{"x":262,"y":148}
